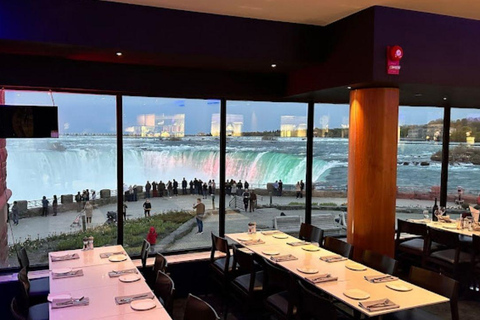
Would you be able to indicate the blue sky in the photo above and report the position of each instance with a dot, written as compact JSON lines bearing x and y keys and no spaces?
{"x":88,"y":113}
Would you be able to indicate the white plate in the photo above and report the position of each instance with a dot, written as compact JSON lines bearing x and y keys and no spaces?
{"x":117,"y":258}
{"x":61,"y":270}
{"x":270,"y":252}
{"x":399,"y":287}
{"x":280,"y":236}
{"x":244,"y":239}
{"x":141,"y":305}
{"x":129,"y":277}
{"x":311,"y":248}
{"x":308,"y":270}
{"x":355,"y":266}
{"x":357,"y":294}
{"x":58,"y":296}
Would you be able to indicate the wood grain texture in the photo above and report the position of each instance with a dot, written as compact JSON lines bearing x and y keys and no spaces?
{"x":372,"y":169}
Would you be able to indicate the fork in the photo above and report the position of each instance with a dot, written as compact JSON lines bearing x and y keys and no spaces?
{"x":71,"y":301}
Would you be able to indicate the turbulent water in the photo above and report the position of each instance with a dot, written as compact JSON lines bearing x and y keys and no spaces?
{"x":37,"y":167}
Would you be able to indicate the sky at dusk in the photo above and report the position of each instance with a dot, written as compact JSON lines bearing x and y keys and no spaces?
{"x":88,"y":113}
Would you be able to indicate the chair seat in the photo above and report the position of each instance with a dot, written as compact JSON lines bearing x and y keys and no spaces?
{"x":243,"y":282}
{"x":39,"y":287}
{"x":412,"y":245}
{"x":412,"y":314}
{"x":220,"y":264}
{"x":279,"y":302}
{"x":38,"y":312}
{"x":449,"y":256}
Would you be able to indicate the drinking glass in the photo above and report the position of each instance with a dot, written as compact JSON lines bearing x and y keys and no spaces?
{"x":425,"y":215}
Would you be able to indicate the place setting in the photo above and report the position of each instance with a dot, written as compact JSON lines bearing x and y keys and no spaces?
{"x":65,"y":302}
{"x":381,"y":278}
{"x":283,"y":258}
{"x":115,"y":273}
{"x":326,"y":277}
{"x":64,"y":257}
{"x":355,"y":266}
{"x":399,"y":286}
{"x":252,"y":242}
{"x":109,"y":254}
{"x":334,"y":258}
{"x":62,"y":273}
{"x":280,"y":236}
{"x":270,"y":232}
{"x":311,"y":248}
{"x":271,"y":252}
{"x":139,"y":302}
{"x":378,"y":305}
{"x":298,"y":243}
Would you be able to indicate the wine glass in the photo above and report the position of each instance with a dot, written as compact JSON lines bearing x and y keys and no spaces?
{"x":425,"y":215}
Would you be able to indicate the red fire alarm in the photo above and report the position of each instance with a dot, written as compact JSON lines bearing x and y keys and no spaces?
{"x":394,"y":55}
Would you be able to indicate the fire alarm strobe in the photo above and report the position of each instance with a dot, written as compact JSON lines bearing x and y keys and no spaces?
{"x":394,"y":55}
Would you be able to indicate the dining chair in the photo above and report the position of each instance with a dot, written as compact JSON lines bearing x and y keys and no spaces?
{"x":38,"y":288}
{"x":379,"y":262}
{"x":412,"y":247}
{"x":338,"y":246}
{"x":144,"y":253}
{"x":311,"y":233}
{"x":22,"y":304}
{"x":160,"y":264}
{"x":431,"y":281}
{"x":220,"y":267}
{"x":197,"y":309}
{"x":278,"y":293}
{"x":248,"y":287}
{"x":164,"y":290}
{"x":15,"y":311}
{"x":475,"y":262}
{"x":312,"y":305}
{"x":450,"y":260}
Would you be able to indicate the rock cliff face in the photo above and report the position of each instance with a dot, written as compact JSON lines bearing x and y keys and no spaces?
{"x":461,"y":153}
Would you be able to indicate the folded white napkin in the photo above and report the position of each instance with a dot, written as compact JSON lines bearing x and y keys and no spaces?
{"x":378,"y":305}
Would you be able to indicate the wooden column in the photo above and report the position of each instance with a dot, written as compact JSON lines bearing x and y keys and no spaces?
{"x":372,"y":169}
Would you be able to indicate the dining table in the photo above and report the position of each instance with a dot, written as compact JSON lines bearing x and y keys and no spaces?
{"x":102,"y":283}
{"x":449,"y":225}
{"x":348,"y":283}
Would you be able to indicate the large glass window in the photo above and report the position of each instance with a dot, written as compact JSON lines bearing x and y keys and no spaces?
{"x":419,"y":154}
{"x":266,"y":158}
{"x":82,"y":161}
{"x":171,"y":151}
{"x":464,"y":155}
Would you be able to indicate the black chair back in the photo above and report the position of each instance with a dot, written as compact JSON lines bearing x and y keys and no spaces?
{"x":338,"y":246}
{"x":220,"y":244}
{"x":275,"y":279}
{"x":16,"y":311}
{"x":164,"y":290}
{"x":311,"y":233}
{"x":23,"y":260}
{"x":197,"y":309}
{"x":160,"y":263}
{"x":144,"y":253}
{"x":313,"y":306}
{"x":439,"y":284}
{"x":379,"y":262}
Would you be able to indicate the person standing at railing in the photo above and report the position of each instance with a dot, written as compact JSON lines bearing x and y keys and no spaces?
{"x":15,"y":213}
{"x":253,"y":200}
{"x":55,"y":205}
{"x":199,"y":214}
{"x":148,"y":186}
{"x":45,"y":203}
{"x":88,"y":211}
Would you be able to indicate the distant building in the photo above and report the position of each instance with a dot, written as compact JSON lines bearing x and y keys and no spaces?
{"x":293,"y":126}
{"x":234,"y":125}
{"x":152,"y":125}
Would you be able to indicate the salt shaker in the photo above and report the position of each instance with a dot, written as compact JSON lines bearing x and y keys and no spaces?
{"x":90,"y":243}
{"x":252,"y":227}
{"x":85,"y":243}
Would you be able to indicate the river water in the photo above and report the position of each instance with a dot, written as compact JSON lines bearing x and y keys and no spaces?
{"x":37,"y":167}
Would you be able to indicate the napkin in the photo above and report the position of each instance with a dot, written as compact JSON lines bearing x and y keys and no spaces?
{"x":334,"y":258}
{"x":114,"y":274}
{"x":475,"y":213}
{"x":71,"y":274}
{"x":138,"y":296}
{"x":108,"y":254}
{"x":380,"y":278}
{"x":321,"y":278}
{"x":269,"y":233}
{"x":418,"y":220}
{"x":286,"y":257}
{"x":378,"y":305}
{"x":65,"y":303}
{"x":253,"y":242}
{"x":444,"y":219}
{"x":65,"y":257}
{"x":298,"y":243}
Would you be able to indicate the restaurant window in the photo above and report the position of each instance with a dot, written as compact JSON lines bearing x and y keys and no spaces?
{"x":330,"y":162}
{"x":266,"y":158}
{"x":169,"y":155}
{"x":82,"y":160}
{"x":420,"y":131}
{"x":464,"y":157}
